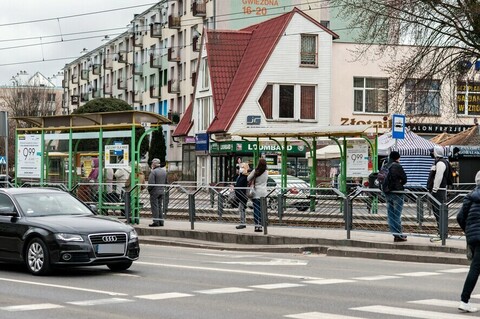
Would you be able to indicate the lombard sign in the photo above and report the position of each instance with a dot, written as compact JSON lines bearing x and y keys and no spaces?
{"x":201,"y":142}
{"x":250,"y":147}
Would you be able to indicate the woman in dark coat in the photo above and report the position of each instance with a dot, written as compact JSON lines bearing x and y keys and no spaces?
{"x":241,"y":193}
{"x":469,"y":220}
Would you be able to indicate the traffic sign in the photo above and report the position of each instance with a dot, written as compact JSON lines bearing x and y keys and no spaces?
{"x":3,"y":160}
{"x":398,"y":126}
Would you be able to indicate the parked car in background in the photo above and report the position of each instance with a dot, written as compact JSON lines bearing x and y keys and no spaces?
{"x":46,"y":228}
{"x":6,"y":181}
{"x":296,"y":193}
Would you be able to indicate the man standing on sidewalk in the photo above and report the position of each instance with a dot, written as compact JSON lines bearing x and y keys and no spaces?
{"x":156,"y":181}
{"x":396,"y":179}
{"x":437,"y":184}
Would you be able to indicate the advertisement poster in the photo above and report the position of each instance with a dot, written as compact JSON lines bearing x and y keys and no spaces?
{"x":357,"y":160}
{"x":29,"y":156}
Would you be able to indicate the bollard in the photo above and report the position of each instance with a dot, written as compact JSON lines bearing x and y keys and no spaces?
{"x":166,"y":200}
{"x":348,"y":215}
{"x":191,"y":210}
{"x":128,"y":208}
{"x":280,"y":207}
{"x":263,"y":210}
{"x":221,"y":204}
{"x":420,"y":213}
{"x":443,"y":223}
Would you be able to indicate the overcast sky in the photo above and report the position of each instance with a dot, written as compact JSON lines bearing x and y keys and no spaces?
{"x":46,"y":37}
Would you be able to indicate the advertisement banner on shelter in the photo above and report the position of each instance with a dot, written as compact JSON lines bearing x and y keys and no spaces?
{"x":116,"y":156}
{"x":357,"y":160}
{"x":29,"y":155}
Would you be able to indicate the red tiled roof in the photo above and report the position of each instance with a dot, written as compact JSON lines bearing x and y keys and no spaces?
{"x":185,"y":123}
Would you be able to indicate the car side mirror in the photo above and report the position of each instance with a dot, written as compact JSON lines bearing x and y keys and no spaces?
{"x":7,"y":211}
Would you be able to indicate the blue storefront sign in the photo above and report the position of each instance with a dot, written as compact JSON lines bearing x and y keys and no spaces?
{"x":201,"y":142}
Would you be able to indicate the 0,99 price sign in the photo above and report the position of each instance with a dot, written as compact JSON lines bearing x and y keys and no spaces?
{"x":357,"y":160}
{"x":29,"y":155}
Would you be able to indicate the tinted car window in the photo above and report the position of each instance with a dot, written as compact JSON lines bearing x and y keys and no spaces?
{"x":6,"y":202}
{"x":45,"y":204}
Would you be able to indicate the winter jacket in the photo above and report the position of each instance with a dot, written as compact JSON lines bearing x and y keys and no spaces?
{"x":156,"y":181}
{"x":469,"y":217}
{"x":397,"y":176}
{"x":260,"y":184}
{"x":240,"y":188}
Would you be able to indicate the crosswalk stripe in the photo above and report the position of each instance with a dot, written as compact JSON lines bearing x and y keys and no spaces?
{"x":277,"y":286}
{"x":475,"y":296}
{"x":31,"y":307}
{"x":455,"y":270}
{"x":168,"y":295}
{"x":380,"y":277}
{"x":328,"y":281}
{"x":419,"y":274}
{"x":319,"y":315}
{"x":411,"y":313}
{"x":228,"y":290}
{"x":95,"y":302}
{"x":441,"y":303}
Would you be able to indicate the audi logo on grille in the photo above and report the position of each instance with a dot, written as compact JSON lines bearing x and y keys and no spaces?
{"x":109,"y":239}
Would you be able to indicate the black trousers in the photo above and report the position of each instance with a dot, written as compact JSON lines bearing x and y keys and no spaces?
{"x":472,"y":276}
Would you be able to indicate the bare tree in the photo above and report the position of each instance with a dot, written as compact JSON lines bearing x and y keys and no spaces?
{"x":424,"y":39}
{"x":30,"y":101}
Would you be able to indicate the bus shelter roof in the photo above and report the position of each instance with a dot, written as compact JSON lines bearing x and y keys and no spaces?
{"x":307,"y":132}
{"x":93,"y":121}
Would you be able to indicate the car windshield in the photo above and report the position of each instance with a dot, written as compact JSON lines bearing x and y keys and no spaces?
{"x":48,"y":204}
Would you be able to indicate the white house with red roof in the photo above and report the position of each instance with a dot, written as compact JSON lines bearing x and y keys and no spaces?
{"x":275,"y":74}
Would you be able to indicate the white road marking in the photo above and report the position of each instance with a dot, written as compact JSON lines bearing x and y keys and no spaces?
{"x":328,"y":281}
{"x":111,"y":293}
{"x":32,"y":307}
{"x":319,"y":315}
{"x":475,"y":296}
{"x":229,"y":256}
{"x":272,"y":262}
{"x":411,"y":313}
{"x":379,"y":277}
{"x":277,"y":286}
{"x":455,"y":270}
{"x":99,"y":302}
{"x":168,"y":295}
{"x":235,"y":271}
{"x":441,"y":303}
{"x":419,"y":274}
{"x":126,"y":275}
{"x":227,"y":290}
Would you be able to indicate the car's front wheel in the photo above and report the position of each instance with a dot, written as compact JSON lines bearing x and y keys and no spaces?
{"x":120,"y":266}
{"x":38,"y":257}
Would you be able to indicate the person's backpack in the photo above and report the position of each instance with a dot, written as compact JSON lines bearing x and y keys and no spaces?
{"x":383,"y":179}
{"x":449,"y":178}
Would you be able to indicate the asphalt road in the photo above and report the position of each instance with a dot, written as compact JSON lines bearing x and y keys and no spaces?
{"x":174,"y":282}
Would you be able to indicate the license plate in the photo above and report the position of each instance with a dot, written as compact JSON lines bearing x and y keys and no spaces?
{"x":110,"y":249}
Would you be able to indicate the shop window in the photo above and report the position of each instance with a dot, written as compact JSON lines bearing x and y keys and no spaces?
{"x":422,"y":97}
{"x":370,"y":95}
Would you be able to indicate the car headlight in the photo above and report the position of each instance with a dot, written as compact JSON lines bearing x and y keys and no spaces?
{"x":68,"y":237}
{"x":133,"y":235}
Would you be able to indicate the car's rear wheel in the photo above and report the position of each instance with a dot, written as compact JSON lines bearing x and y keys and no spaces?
{"x":120,"y":266}
{"x":38,"y":257}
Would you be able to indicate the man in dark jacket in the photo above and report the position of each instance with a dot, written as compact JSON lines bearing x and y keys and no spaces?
{"x":156,"y":188}
{"x":469,"y":220}
{"x":396,"y":179}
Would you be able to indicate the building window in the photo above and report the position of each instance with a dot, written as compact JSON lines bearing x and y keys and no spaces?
{"x":308,"y":50}
{"x":288,"y":102}
{"x":204,"y":113}
{"x":205,"y":75}
{"x":370,"y":95}
{"x":422,"y":97}
{"x":51,"y":97}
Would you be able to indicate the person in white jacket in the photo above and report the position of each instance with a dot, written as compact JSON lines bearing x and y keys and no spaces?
{"x":437,"y":183}
{"x":258,"y":178}
{"x":121,"y":176}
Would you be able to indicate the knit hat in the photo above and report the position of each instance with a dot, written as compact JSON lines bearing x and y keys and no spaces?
{"x":394,"y":155}
{"x":156,"y":162}
{"x":477,"y":178}
{"x":438,"y":151}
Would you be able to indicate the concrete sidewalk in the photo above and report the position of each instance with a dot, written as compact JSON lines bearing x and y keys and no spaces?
{"x":332,"y":242}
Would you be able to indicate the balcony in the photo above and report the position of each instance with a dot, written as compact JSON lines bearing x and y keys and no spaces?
{"x":155,"y":61}
{"x":173,"y":22}
{"x":137,"y":40}
{"x":75,"y":99}
{"x":84,"y":97}
{"x":107,"y":88}
{"x":138,"y":97}
{"x":199,"y":8}
{"x":75,"y":78}
{"x":108,"y":63}
{"x":96,"y":93}
{"x":156,"y":30}
{"x":138,"y":69}
{"x":173,"y":55}
{"x":174,"y":117}
{"x":196,"y":44}
{"x":121,"y":84}
{"x":155,"y":92}
{"x":65,"y":83}
{"x":122,"y":57}
{"x":97,"y":68}
{"x":173,"y":87}
{"x":84,"y":74}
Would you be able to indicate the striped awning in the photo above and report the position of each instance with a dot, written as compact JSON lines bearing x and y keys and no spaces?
{"x":411,"y":145}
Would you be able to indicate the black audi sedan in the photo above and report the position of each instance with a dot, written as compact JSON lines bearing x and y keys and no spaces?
{"x":47,"y":228}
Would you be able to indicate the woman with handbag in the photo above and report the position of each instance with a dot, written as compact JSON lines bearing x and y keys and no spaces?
{"x":258,"y":178}
{"x":469,"y":220}
{"x":241,"y":193}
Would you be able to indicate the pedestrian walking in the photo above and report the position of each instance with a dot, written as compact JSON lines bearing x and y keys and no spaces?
{"x":437,"y":184}
{"x":469,"y":220}
{"x":156,"y":188}
{"x":258,"y":178}
{"x":241,"y":193}
{"x":396,"y":180}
